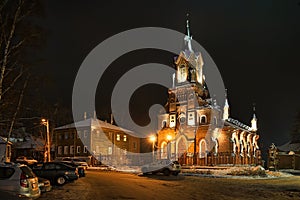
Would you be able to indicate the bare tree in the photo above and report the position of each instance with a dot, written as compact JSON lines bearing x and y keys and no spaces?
{"x":19,"y":35}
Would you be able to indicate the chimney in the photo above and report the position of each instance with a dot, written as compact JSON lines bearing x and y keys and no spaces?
{"x":95,"y":116}
{"x":111,"y":118}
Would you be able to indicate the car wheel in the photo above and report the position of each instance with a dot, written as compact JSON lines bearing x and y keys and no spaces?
{"x":61,"y":180}
{"x":166,"y":172}
{"x":175,"y":173}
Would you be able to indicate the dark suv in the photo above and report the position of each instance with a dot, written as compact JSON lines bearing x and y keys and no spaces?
{"x":57,"y":173}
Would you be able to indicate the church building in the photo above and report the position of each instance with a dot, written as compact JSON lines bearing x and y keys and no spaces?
{"x":195,"y":130}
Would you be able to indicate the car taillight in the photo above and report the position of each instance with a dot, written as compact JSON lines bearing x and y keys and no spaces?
{"x":23,"y":181}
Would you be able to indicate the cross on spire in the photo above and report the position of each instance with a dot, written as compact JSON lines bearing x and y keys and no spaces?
{"x":188,"y":37}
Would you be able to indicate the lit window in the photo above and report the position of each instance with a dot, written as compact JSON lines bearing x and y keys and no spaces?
{"x":78,"y":134}
{"x":85,"y":133}
{"x":59,"y":150}
{"x":72,"y":149}
{"x":85,"y":149}
{"x":203,"y":119}
{"x":78,"y":149}
{"x":66,"y":150}
{"x":118,"y":137}
{"x":125,"y":138}
{"x":66,"y":136}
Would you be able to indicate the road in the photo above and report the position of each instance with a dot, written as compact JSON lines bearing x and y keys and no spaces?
{"x":116,"y":185}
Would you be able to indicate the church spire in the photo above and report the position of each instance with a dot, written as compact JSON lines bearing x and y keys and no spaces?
{"x":188,"y":37}
{"x":254,"y":120}
{"x":226,"y":107}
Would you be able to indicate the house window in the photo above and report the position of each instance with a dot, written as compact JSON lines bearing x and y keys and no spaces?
{"x":118,"y":137}
{"x":60,"y":136}
{"x":66,"y":150}
{"x":71,"y":149}
{"x":72,"y":135}
{"x":85,"y":149}
{"x":134,"y":145}
{"x":66,"y":135}
{"x":59,"y":150}
{"x":78,"y":149}
{"x":78,"y":134}
{"x":125,"y":138}
{"x":85,"y":133}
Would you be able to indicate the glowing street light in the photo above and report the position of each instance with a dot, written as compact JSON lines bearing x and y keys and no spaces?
{"x":169,"y":138}
{"x":152,"y":139}
{"x":47,"y":149}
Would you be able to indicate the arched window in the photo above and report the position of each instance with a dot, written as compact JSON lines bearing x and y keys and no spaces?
{"x":164,"y":124}
{"x":215,"y":121}
{"x":203,"y":119}
{"x":163,"y":150}
{"x":202,"y":148}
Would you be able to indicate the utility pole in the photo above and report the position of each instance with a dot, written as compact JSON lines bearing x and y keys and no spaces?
{"x":47,"y":145}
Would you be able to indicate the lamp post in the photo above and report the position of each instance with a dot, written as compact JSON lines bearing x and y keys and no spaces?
{"x":47,"y":145}
{"x":153,"y":139}
{"x":194,"y":155}
{"x":169,"y":138}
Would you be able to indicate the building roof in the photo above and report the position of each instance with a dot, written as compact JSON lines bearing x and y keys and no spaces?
{"x":237,"y":124}
{"x":93,"y":122}
{"x":289,"y":147}
{"x":31,"y":142}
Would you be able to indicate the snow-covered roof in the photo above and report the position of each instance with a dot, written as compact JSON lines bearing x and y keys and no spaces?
{"x":93,"y":122}
{"x":31,"y":143}
{"x":289,"y":147}
{"x":238,"y":124}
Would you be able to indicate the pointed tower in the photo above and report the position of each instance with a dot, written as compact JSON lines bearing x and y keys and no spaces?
{"x":226,"y":108}
{"x":189,"y":63}
{"x":188,"y":37}
{"x":254,"y":121}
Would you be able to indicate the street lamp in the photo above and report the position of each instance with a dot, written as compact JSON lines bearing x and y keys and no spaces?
{"x":169,"y":138}
{"x":47,"y":145}
{"x":152,"y":139}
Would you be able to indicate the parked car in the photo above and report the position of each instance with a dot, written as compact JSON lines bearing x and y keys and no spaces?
{"x":81,"y":169}
{"x":164,"y":166}
{"x":44,"y":184}
{"x":18,"y":180}
{"x":76,"y":161}
{"x":57,"y":173}
{"x":26,"y":160}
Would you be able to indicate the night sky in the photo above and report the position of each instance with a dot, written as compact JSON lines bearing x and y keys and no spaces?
{"x":254,"y":44}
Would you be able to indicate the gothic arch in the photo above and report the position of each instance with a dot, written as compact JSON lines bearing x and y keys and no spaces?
{"x":203,"y":119}
{"x":181,"y":145}
{"x":234,"y":139}
{"x":163,"y":150}
{"x":202,"y":148}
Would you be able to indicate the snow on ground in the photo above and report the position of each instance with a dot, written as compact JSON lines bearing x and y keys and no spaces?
{"x":254,"y":172}
{"x":235,"y":172}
